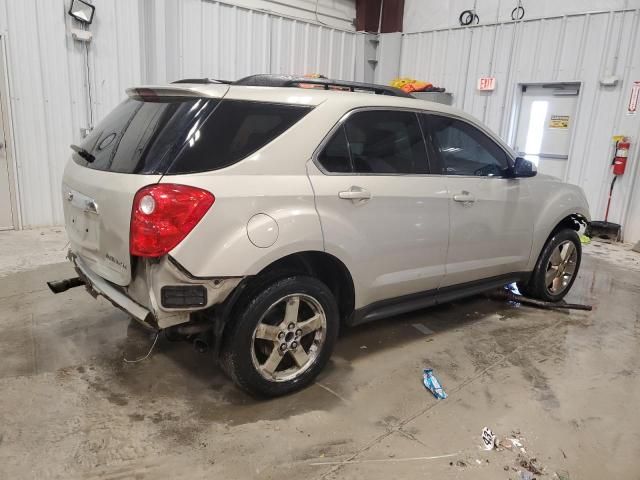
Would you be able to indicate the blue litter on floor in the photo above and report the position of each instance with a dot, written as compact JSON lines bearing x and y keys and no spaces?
{"x":432,"y":384}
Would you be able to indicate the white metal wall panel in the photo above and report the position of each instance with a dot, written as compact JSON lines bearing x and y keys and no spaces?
{"x":135,"y":42}
{"x":333,"y":13}
{"x":301,"y":48}
{"x":41,"y":102}
{"x":219,"y":40}
{"x":48,"y":89}
{"x":425,"y":15}
{"x":114,"y":53}
{"x":576,"y":48}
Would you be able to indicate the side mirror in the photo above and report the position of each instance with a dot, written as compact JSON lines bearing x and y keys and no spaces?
{"x":524,"y":168}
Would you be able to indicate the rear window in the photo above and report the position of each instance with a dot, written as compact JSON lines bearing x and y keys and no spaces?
{"x":184,"y":135}
{"x":144,"y":137}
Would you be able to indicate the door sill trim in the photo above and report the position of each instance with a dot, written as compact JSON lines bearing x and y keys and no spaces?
{"x":415,"y":301}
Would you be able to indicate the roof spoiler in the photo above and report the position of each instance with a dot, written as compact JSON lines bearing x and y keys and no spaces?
{"x":205,"y":81}
{"x":154,"y":93}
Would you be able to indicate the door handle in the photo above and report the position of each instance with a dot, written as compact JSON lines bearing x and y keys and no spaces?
{"x":91,"y":206}
{"x":355,"y":193}
{"x":464,"y":197}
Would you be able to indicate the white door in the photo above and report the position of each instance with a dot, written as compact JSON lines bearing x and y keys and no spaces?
{"x":6,"y":217}
{"x":546,"y":119}
{"x":381,"y":212}
{"x":490,"y":214}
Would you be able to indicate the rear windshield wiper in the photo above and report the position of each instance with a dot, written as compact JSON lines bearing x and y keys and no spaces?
{"x":83,"y":153}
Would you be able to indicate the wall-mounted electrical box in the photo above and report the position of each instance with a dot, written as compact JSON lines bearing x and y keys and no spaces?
{"x":609,"y":81}
{"x":81,"y":35}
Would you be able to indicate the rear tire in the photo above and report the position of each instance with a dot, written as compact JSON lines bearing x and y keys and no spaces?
{"x":281,"y":336}
{"x":556,"y":269}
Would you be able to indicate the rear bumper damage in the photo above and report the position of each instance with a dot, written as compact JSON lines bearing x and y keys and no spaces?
{"x":145,"y":298}
{"x":96,"y":285}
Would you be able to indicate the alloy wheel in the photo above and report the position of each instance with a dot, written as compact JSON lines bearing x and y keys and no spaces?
{"x":288,"y":338}
{"x":561,"y":267}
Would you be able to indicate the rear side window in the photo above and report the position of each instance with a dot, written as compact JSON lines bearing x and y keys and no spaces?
{"x":386,"y":142}
{"x":234,"y":131}
{"x":377,"y":142}
{"x":184,"y":135}
{"x":335,"y":155}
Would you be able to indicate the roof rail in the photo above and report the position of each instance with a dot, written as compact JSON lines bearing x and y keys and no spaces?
{"x":268,"y":80}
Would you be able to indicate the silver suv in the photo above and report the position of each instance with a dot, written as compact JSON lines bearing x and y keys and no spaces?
{"x":268,"y":212}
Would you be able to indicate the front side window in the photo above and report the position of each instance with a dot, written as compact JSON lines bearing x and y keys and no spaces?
{"x":464,"y":149}
{"x":377,"y":142}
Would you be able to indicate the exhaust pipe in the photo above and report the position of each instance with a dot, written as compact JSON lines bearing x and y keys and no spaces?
{"x":201,"y":343}
{"x":193,"y":328}
{"x":59,"y":286}
{"x":190,"y":331}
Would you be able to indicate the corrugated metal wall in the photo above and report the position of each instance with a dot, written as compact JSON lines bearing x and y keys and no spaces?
{"x":426,"y":15}
{"x":218,"y":40}
{"x":575,"y":48}
{"x":48,"y":89}
{"x":134,"y":42}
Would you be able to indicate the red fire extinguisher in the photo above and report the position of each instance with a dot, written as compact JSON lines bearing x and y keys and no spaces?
{"x":622,"y":153}
{"x":609,"y":229}
{"x":619,"y":164}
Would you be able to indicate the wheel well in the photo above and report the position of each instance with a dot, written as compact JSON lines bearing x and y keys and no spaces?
{"x":573,"y":221}
{"x":323,"y":266}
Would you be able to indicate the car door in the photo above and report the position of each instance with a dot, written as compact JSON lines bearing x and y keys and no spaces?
{"x":491,"y":221}
{"x":381,"y":211}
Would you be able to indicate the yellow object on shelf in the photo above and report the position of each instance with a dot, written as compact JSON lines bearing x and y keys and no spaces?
{"x":409,"y":85}
{"x":401,"y":81}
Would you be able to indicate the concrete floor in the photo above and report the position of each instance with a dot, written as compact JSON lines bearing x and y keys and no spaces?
{"x":568,"y":382}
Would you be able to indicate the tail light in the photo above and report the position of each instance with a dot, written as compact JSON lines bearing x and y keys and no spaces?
{"x":163,"y":215}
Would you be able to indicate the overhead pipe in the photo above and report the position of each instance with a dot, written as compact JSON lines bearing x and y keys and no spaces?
{"x":491,"y":59}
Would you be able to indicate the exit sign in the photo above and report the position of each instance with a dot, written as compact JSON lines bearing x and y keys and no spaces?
{"x":487,"y":84}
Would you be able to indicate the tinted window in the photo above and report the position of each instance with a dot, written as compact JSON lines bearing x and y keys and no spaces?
{"x":144,"y":137}
{"x":386,"y":142}
{"x":335,"y":156}
{"x":234,"y":131}
{"x":178,"y":135}
{"x":464,"y":149}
